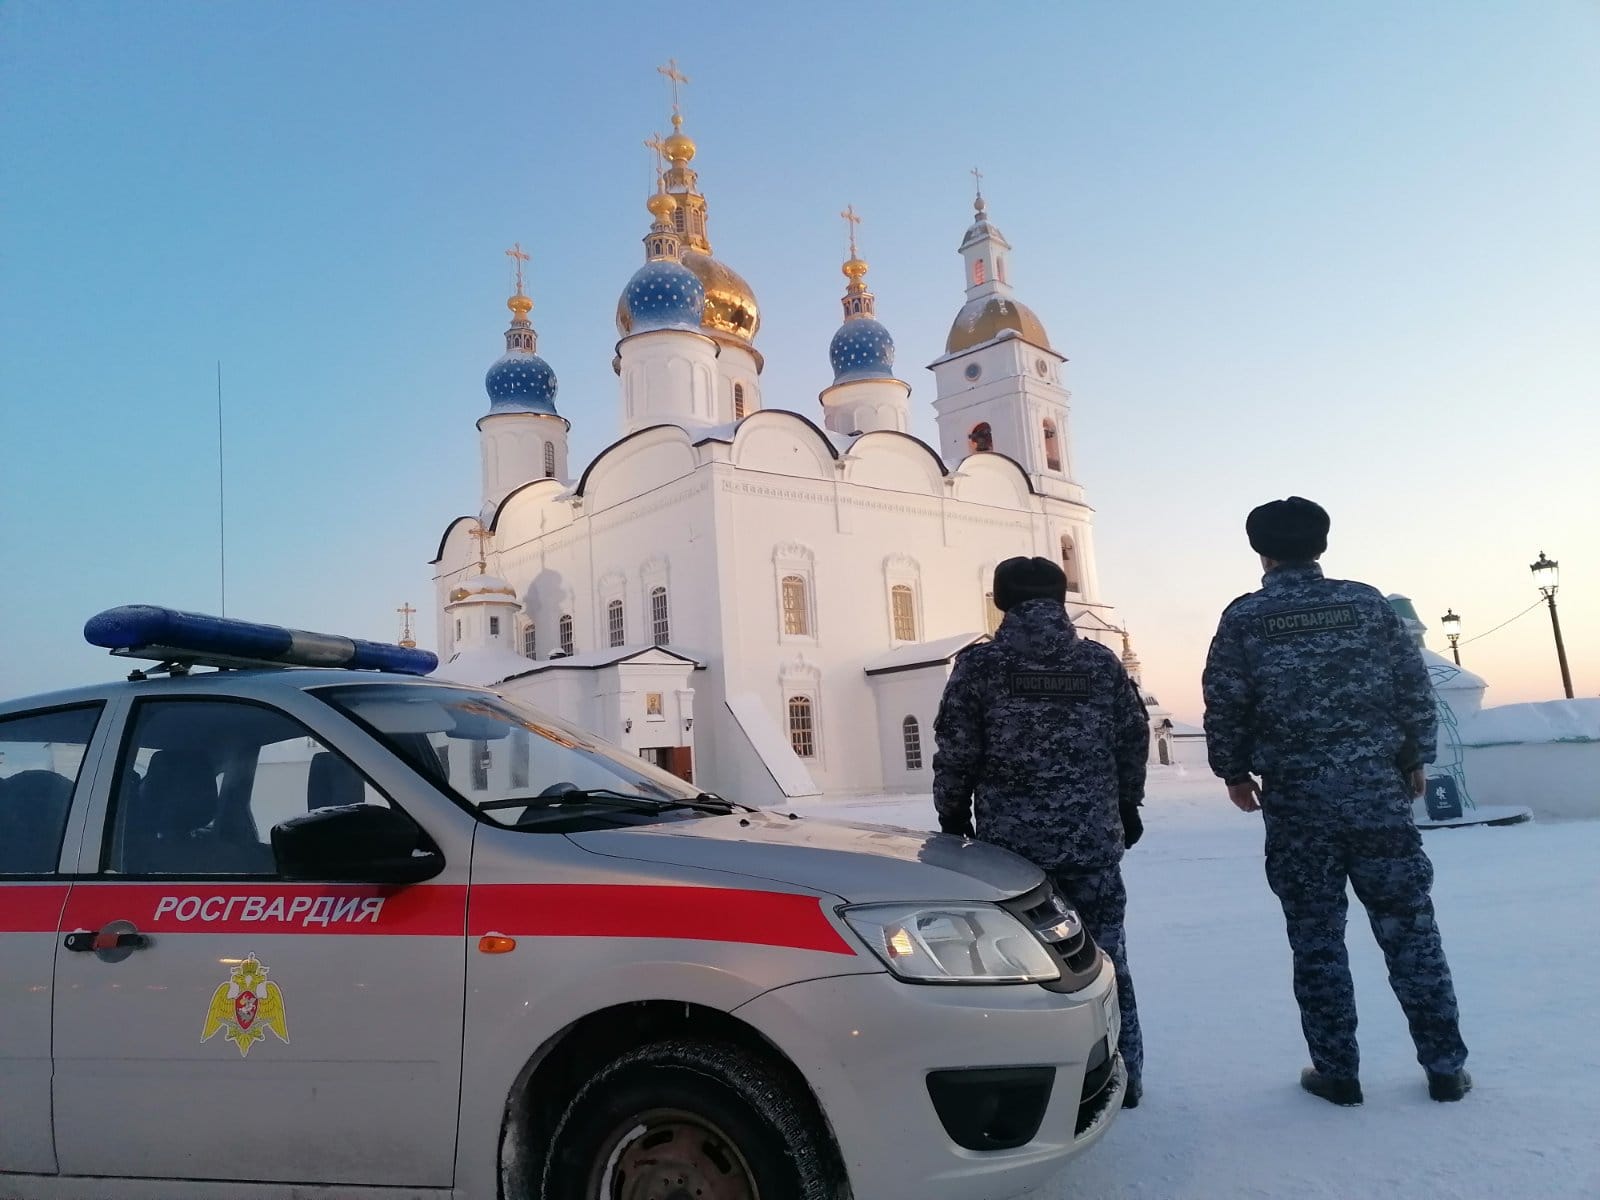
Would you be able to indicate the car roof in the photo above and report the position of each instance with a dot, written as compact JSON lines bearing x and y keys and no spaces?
{"x":254,"y":682}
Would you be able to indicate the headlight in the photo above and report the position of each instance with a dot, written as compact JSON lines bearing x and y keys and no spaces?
{"x":953,"y":943}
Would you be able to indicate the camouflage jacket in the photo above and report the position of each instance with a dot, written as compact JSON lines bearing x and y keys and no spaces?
{"x":1310,"y":676}
{"x":1046,"y":735}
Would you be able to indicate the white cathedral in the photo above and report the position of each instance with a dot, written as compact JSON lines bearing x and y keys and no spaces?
{"x":765,"y":601}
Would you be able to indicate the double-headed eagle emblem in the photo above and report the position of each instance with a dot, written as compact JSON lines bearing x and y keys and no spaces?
{"x":246,"y":1007}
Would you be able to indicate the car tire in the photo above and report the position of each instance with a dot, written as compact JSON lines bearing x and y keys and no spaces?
{"x":696,"y":1118}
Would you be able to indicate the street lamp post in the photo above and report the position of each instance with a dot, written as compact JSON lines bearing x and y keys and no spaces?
{"x":1545,"y":575}
{"x":1452,"y":630}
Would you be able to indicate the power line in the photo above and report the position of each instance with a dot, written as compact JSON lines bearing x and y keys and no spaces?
{"x":1504,"y":623}
{"x":222,"y":511}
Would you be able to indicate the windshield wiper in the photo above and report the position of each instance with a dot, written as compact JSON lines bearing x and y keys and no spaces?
{"x":606,"y":798}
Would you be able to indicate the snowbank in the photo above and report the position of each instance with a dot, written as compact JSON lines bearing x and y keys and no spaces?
{"x":1545,"y":721}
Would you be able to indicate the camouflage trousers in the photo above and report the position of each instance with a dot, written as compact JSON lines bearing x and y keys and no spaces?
{"x":1102,"y":902}
{"x":1320,"y":835}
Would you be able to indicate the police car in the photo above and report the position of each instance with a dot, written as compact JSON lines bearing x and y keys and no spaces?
{"x":312,"y":924}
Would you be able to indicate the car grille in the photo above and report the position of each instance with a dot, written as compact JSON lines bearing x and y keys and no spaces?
{"x":1056,"y":925}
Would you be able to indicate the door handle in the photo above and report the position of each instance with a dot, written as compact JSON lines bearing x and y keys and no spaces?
{"x":104,"y":940}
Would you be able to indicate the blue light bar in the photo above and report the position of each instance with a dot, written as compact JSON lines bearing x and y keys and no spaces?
{"x":168,"y":635}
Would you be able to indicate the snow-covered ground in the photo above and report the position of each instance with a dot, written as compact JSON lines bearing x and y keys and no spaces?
{"x":1223,"y":1115}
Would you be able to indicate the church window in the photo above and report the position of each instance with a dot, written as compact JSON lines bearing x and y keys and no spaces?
{"x":738,"y":402}
{"x":796,"y":607}
{"x":530,"y":640}
{"x":980,"y":439}
{"x":494,"y":626}
{"x":519,"y":758}
{"x":1069,"y":562}
{"x":1000,"y":268}
{"x":902,"y":604}
{"x":977,"y":271}
{"x":565,"y":630}
{"x":802,"y":726}
{"x":911,"y":735}
{"x":677,"y":220}
{"x":614,"y":623}
{"x":480,"y":766}
{"x":458,"y":629}
{"x":991,"y":614}
{"x":660,"y":626}
{"x":549,"y":460}
{"x":1052,"y":446}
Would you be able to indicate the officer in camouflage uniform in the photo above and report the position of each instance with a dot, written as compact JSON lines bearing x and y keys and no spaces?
{"x":1313,"y":685}
{"x":1046,"y":735}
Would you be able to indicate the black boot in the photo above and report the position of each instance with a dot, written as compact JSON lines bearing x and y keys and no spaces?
{"x":1133,"y":1094}
{"x":1448,"y":1085}
{"x":1344,"y":1092}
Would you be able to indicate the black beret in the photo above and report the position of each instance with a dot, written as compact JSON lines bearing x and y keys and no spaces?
{"x":1292,"y":530}
{"x":1019,"y":579}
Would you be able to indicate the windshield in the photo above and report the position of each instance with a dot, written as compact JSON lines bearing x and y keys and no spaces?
{"x":489,"y":750}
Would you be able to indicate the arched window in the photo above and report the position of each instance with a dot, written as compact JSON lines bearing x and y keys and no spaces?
{"x":660,"y":628}
{"x":614,"y":623}
{"x":565,"y":631}
{"x":494,"y":626}
{"x":1000,"y":268}
{"x":980,"y":438}
{"x":992,"y":616}
{"x":802,"y":726}
{"x":977,"y":271}
{"x":1052,"y":446}
{"x":738,"y":402}
{"x":903,"y":608}
{"x":911,"y":734}
{"x":549,"y":460}
{"x":796,"y":607}
{"x":677,"y":220}
{"x":1069,"y":562}
{"x":530,"y":641}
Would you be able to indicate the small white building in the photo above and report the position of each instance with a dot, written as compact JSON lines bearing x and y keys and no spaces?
{"x":764,"y":592}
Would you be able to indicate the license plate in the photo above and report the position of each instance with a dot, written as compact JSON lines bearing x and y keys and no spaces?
{"x":1113,"y":1014}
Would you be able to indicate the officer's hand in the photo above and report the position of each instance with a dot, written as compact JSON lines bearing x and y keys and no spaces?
{"x":1246,"y":796}
{"x":1132,"y":825}
{"x":959,"y":826}
{"x":1417,"y":781}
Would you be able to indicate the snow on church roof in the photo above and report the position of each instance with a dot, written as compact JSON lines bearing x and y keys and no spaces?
{"x":612,"y":656}
{"x":483,"y":666}
{"x":921,"y":654}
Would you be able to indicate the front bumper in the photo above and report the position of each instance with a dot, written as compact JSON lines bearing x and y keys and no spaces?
{"x":868,"y":1045}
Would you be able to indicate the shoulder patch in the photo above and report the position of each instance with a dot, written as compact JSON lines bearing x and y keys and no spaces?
{"x":1051,"y":685}
{"x":1322,"y":618}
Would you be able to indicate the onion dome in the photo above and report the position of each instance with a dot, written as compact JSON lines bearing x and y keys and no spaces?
{"x":991,"y":310}
{"x":519,"y":380}
{"x":663,"y":294}
{"x":862,"y":347}
{"x":483,"y":589}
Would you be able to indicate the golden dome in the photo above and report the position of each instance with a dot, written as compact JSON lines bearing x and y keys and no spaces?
{"x":854,"y":267}
{"x":731,"y":308}
{"x":520,"y":306}
{"x":988,"y":317}
{"x":679,"y":146}
{"x":661,"y":205}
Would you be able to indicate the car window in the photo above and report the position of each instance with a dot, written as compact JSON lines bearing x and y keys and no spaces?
{"x":484,"y":747}
{"x":202,"y":782}
{"x":41,"y":757}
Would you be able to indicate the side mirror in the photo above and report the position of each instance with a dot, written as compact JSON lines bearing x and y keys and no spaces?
{"x":353,"y":843}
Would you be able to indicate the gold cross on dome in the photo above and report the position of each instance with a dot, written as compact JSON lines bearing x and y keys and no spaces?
{"x":677,"y":77}
{"x":482,"y":536}
{"x":850,"y":215}
{"x":406,"y":613}
{"x":516,"y":255}
{"x":977,"y":177}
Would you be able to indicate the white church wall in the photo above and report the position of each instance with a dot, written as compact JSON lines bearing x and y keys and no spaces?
{"x":648,"y":460}
{"x":914,"y":695}
{"x":779,"y":444}
{"x":894,"y":464}
{"x":991,"y":480}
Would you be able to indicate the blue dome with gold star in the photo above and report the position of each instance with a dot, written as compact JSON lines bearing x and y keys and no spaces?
{"x":862,"y":349}
{"x":663,"y":294}
{"x":521,"y":382}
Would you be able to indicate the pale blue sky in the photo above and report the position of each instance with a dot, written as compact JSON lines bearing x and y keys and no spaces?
{"x":1347,"y":250}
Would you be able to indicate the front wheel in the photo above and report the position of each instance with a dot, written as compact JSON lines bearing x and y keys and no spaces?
{"x":686,"y":1120}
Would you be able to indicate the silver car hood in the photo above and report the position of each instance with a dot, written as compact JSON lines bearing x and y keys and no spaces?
{"x":858,"y":863}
